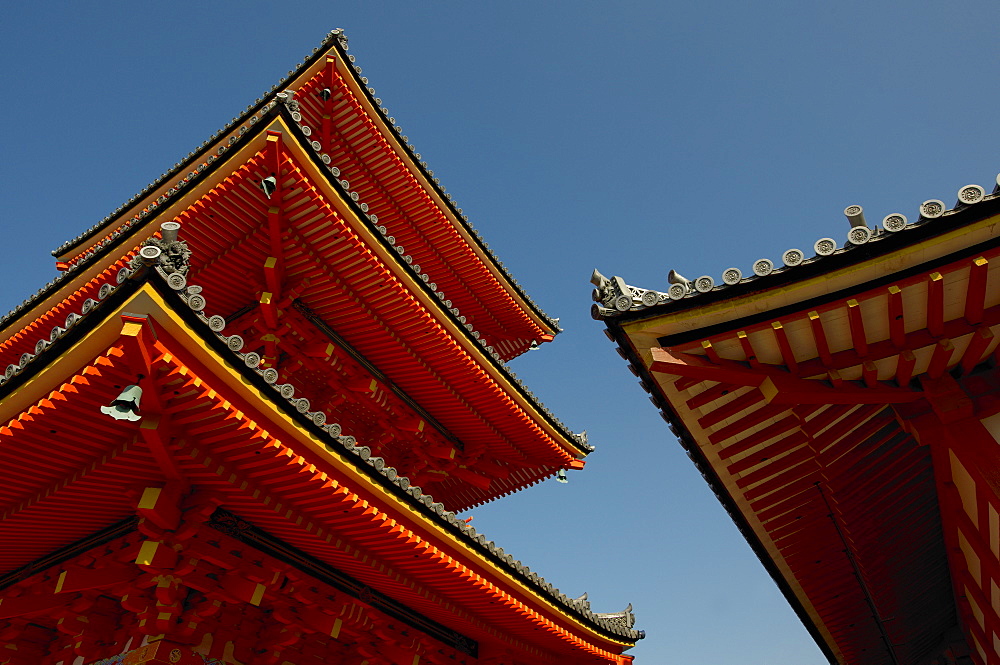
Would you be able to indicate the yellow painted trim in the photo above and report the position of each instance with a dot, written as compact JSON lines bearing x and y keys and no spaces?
{"x":61,"y":581}
{"x":335,"y":631}
{"x":147,"y":552}
{"x":149,"y":497}
{"x":416,"y":522}
{"x":258,"y":594}
{"x":132,"y":329}
{"x":149,"y":226}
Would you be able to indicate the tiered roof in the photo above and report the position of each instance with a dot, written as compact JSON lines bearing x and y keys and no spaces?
{"x":299,"y":364}
{"x":388,"y":176}
{"x":80,"y":469}
{"x":443,"y":272}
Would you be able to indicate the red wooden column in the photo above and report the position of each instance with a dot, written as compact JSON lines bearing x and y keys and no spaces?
{"x":966,"y":461}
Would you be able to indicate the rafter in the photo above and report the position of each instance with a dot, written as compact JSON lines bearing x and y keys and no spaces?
{"x":884,"y":349}
{"x":787,"y":354}
{"x":857,"y":323}
{"x":976,"y":294}
{"x":940,"y":358}
{"x":897,"y":325}
{"x":935,"y":304}
{"x":905,"y":363}
{"x":973,"y":355}
{"x":748,"y":351}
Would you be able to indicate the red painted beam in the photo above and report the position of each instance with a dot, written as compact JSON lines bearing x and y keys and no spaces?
{"x":857,"y":324}
{"x":940,"y":358}
{"x":748,"y":351}
{"x":710,"y":351}
{"x":935,"y":304}
{"x":897,"y":325}
{"x":904,"y":367}
{"x":976,"y":294}
{"x":981,"y":339}
{"x":787,"y":355}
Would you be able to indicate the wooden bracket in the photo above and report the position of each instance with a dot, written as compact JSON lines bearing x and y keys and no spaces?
{"x":161,"y":505}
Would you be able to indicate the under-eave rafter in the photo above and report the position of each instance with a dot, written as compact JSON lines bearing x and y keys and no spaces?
{"x":813,"y":400}
{"x":243,"y":456}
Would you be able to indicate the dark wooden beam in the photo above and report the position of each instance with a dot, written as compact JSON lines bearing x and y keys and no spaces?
{"x":981,"y":339}
{"x":804,"y":391}
{"x":904,"y":367}
{"x":940,"y":358}
{"x":748,"y":351}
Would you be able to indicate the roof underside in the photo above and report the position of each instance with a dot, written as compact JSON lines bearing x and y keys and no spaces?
{"x":785,"y":393}
{"x":87,"y":471}
{"x":357,"y":287}
{"x":368,"y":150}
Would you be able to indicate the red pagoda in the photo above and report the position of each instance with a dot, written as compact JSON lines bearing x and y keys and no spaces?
{"x":235,"y":427}
{"x":845,"y":408}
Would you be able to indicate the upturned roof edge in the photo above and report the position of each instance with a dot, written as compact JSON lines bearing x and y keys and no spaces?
{"x":188,"y":302}
{"x":617,"y":300}
{"x":255,"y":124}
{"x":701,"y":463}
{"x":338,"y":41}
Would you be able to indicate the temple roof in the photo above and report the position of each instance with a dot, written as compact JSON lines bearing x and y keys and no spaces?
{"x":188,"y":302}
{"x":80,"y":250}
{"x":137,"y":219}
{"x":790,"y":391}
{"x":57,"y":301}
{"x":615,"y":299}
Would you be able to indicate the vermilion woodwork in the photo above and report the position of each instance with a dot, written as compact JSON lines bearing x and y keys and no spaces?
{"x":306,"y":387}
{"x":846,"y":415}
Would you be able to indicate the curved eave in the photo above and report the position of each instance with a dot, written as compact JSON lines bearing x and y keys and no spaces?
{"x":885,"y":258}
{"x":335,"y":44}
{"x":252,"y":142}
{"x":846,"y":301}
{"x":429,"y":184}
{"x":404,"y":272}
{"x":173,"y":323}
{"x":799,"y":604}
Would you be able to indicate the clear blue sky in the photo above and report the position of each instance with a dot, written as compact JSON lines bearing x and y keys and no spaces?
{"x":634,"y":137}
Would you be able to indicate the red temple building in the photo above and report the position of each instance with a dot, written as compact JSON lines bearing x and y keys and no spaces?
{"x":845,"y":409}
{"x":235,"y":427}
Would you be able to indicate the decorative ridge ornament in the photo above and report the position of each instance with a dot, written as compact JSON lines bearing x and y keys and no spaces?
{"x":170,"y":257}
